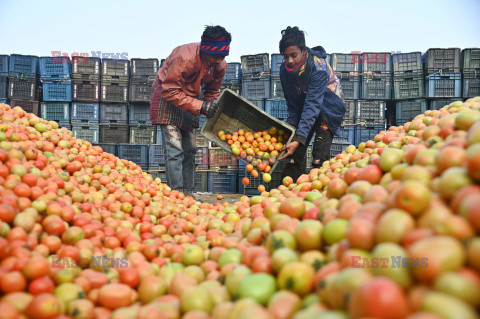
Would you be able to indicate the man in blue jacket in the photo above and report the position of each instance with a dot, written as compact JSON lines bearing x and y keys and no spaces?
{"x":314,"y":99}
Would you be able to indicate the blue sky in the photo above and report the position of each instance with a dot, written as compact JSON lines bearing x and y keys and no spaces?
{"x":146,"y":29}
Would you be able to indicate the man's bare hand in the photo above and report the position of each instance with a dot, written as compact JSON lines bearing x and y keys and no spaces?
{"x":290,"y":149}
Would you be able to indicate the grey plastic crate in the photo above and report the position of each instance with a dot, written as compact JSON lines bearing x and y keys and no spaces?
{"x":115,"y":69}
{"x":471,"y":59}
{"x":114,"y":133}
{"x":447,"y":60}
{"x":24,"y":88}
{"x":114,"y":91}
{"x":376,"y":86}
{"x":443,"y":85}
{"x":144,"y":67}
{"x":253,"y":89}
{"x":405,"y":62}
{"x":376,"y":62}
{"x":85,"y":91}
{"x":156,"y":156}
{"x":257,"y":63}
{"x":471,"y":83}
{"x":139,"y":114}
{"x":143,"y":134}
{"x":409,"y":85}
{"x":233,"y":75}
{"x":108,"y":148}
{"x":350,"y":85}
{"x":276,"y":89}
{"x":140,"y":89}
{"x":342,"y":62}
{"x":349,"y":117}
{"x":437,"y":104}
{"x":277,"y":60}
{"x":88,"y":133}
{"x":137,"y":153}
{"x":201,"y":181}
{"x":202,"y":158}
{"x":370,"y":111}
{"x":408,"y":110}
{"x":113,"y":114}
{"x":56,"y":111}
{"x":86,"y":68}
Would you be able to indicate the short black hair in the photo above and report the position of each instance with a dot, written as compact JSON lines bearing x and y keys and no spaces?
{"x":215,"y":32}
{"x":292,"y":36}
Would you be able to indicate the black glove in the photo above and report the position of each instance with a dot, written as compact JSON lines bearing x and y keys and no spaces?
{"x":209,"y":108}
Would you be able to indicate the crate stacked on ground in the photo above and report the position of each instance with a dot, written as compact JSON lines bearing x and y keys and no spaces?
{"x":23,"y":85}
{"x":376,"y":79}
{"x":85,"y":121}
{"x":233,"y":78}
{"x":256,"y":78}
{"x":443,"y":78}
{"x":347,"y":69}
{"x":252,"y":188}
{"x":369,"y":119}
{"x":86,"y":79}
{"x":471,"y":72}
{"x":4,"y":78}
{"x":114,"y":79}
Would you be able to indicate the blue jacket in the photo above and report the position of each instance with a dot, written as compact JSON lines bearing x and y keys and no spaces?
{"x":317,"y":95}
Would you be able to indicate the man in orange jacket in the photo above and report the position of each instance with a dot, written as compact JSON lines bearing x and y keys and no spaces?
{"x":176,"y":101}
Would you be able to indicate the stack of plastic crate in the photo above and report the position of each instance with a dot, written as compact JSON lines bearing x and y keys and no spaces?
{"x":233,"y":78}
{"x":4,"y":78}
{"x":256,"y":78}
{"x":376,"y":79}
{"x":370,"y":119}
{"x":471,"y":72}
{"x":23,"y":87}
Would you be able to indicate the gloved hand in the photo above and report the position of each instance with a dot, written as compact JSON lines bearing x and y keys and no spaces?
{"x":209,"y":107}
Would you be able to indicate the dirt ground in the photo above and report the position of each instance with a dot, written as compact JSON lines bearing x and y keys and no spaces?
{"x":212,"y":197}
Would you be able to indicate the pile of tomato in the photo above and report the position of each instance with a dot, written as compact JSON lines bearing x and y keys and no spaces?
{"x":390,"y":229}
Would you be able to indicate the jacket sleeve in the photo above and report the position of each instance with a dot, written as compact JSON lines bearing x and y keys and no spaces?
{"x":293,"y":117}
{"x":313,"y":104}
{"x":174,"y":82}
{"x":212,"y":89}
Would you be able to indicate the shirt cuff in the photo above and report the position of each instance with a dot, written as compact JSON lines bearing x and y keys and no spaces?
{"x":300,"y":139}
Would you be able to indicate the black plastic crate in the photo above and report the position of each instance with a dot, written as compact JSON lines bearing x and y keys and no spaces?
{"x":23,"y":88}
{"x":202,"y":158}
{"x":443,"y":85}
{"x":277,"y":60}
{"x":86,"y":68}
{"x":447,"y":60}
{"x":222,"y":181}
{"x":85,"y":91}
{"x":471,"y":83}
{"x":115,"y":69}
{"x":23,"y":65}
{"x":3,"y":87}
{"x":86,"y":132}
{"x":115,"y":91}
{"x":56,"y":111}
{"x":156,"y":157}
{"x":237,"y":88}
{"x":57,"y":90}
{"x":27,"y":105}
{"x":338,"y":148}
{"x":408,"y":110}
{"x":140,"y":89}
{"x":277,"y":108}
{"x":85,"y":113}
{"x":349,"y":117}
{"x":113,"y":133}
{"x":137,"y":153}
{"x":471,"y":59}
{"x":252,"y":188}
{"x":257,"y":63}
{"x":350,"y":85}
{"x":365,"y":133}
{"x":113,"y":114}
{"x":233,"y":75}
{"x":201,"y":182}
{"x":376,"y":86}
{"x":55,"y":68}
{"x":376,"y":62}
{"x":370,"y":111}
{"x":342,"y":62}
{"x":144,"y":134}
{"x":253,"y":89}
{"x":276,"y":89}
{"x":406,"y":62}
{"x":108,"y":148}
{"x":4,"y":64}
{"x":437,"y":104}
{"x":408,"y":85}
{"x":139,"y":114}
{"x":144,"y":67}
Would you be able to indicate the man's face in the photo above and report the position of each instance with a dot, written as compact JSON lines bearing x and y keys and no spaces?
{"x":293,"y":56}
{"x":213,"y":60}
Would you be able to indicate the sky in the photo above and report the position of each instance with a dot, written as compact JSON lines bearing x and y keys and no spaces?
{"x":151,"y":29}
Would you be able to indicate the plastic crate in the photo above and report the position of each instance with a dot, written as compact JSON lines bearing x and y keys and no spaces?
{"x":347,"y":135}
{"x":252,"y":188}
{"x":108,"y":148}
{"x":55,"y":68}
{"x":253,"y":89}
{"x":349,"y":117}
{"x":85,"y":113}
{"x":144,"y":67}
{"x":338,"y":148}
{"x":471,"y":83}
{"x":156,"y":156}
{"x":27,"y":105}
{"x":115,"y":91}
{"x":23,"y":65}
{"x":55,"y":111}
{"x":201,"y":158}
{"x":88,"y":133}
{"x":159,"y":135}
{"x":86,"y":68}
{"x":260,"y":104}
{"x":408,"y":110}
{"x":276,"y":63}
{"x":139,"y":114}
{"x":221,"y":159}
{"x":222,"y":182}
{"x":257,"y":63}
{"x":447,"y":60}
{"x":471,"y":59}
{"x":408,"y":86}
{"x":437,"y":104}
{"x":115,"y":69}
{"x":406,"y":62}
{"x":143,"y":134}
{"x":350,"y":85}
{"x":376,"y":86}
{"x":23,"y":88}
{"x":200,"y":140}
{"x":4,"y":64}
{"x":443,"y":85}
{"x":277,"y":108}
{"x":233,"y":75}
{"x":59,"y":90}
{"x":85,"y":91}
{"x":201,"y":182}
{"x":3,"y":87}
{"x":365,"y":133}
{"x":237,"y":88}
{"x":276,"y":89}
{"x":342,"y":62}
{"x":112,"y":133}
{"x":159,"y":174}
{"x":113,"y":114}
{"x":5,"y":101}
{"x":376,"y":62}
{"x":201,"y":120}
{"x":370,"y":111}
{"x":140,"y":89}
{"x":137,"y":153}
